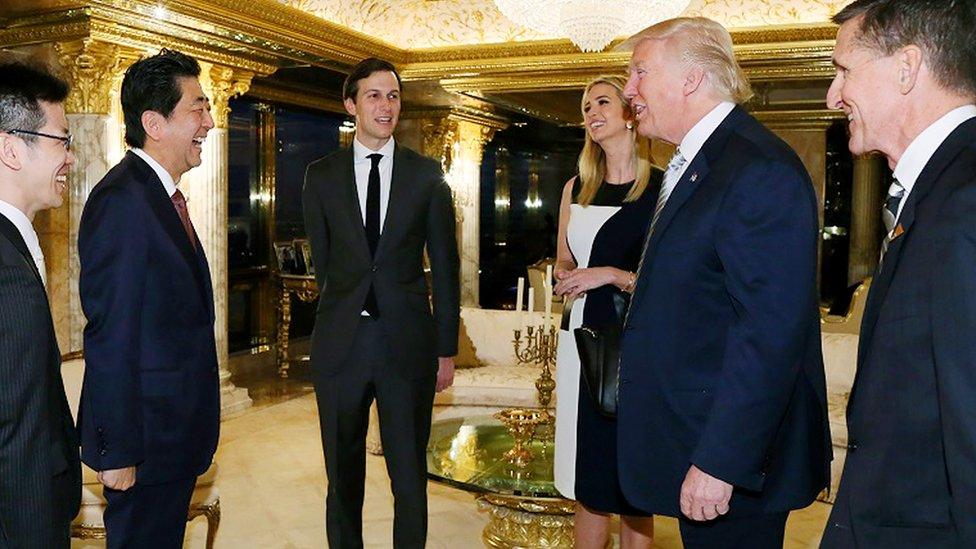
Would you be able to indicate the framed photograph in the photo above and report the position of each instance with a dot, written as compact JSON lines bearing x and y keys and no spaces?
{"x":287,"y":259}
{"x":303,"y":248}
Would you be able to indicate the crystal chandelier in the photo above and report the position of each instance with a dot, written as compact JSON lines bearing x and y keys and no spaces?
{"x":590,"y":24}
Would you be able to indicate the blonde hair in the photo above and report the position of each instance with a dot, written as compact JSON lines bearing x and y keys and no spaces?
{"x":593,"y":161}
{"x":706,"y":44}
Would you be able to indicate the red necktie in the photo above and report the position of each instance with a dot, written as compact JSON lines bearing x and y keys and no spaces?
{"x":179,"y":201}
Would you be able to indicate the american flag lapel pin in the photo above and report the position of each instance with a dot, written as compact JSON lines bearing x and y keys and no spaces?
{"x":899,"y":230}
{"x":694,"y":177}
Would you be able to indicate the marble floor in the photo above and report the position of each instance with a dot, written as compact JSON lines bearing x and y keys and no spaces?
{"x":272,"y":485}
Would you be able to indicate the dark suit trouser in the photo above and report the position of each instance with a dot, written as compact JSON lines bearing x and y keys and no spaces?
{"x":66,"y":487}
{"x":404,"y":405}
{"x":750,"y":532}
{"x":148,"y":516}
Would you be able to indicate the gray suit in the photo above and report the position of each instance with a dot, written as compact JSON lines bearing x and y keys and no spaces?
{"x":392,"y":358}
{"x":40,"y":472}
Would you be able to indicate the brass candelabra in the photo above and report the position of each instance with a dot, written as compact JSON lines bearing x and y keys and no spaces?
{"x":537,"y":347}
{"x":540,"y":348}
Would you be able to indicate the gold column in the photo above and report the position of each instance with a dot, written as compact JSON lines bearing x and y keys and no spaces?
{"x":94,"y":70}
{"x":206,"y":189}
{"x":866,"y":231}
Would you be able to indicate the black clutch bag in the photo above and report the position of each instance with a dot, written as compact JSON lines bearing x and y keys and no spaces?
{"x":599,"y":353}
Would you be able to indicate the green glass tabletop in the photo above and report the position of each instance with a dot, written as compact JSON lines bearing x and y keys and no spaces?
{"x":468,"y":453}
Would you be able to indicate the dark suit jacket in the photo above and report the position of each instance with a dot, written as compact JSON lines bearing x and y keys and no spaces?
{"x":910,"y":474}
{"x":420,"y":213}
{"x":150,"y":396}
{"x":721,"y":363}
{"x":37,"y":435}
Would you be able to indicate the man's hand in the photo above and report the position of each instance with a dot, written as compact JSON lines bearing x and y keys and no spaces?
{"x":704,"y":497}
{"x":118,"y":479}
{"x":445,"y":373}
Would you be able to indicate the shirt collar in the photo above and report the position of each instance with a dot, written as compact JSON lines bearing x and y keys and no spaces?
{"x":24,"y":227}
{"x":921,"y":149}
{"x":360,"y":151}
{"x":700,"y":132}
{"x":164,"y":175}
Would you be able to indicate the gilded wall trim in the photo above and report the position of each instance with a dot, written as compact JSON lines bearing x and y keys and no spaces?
{"x":224,"y":83}
{"x":462,"y":114}
{"x":813,"y":119}
{"x":299,"y":98}
{"x":92,"y":68}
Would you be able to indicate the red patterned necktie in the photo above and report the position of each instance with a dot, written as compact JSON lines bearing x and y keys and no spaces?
{"x":179,"y":201}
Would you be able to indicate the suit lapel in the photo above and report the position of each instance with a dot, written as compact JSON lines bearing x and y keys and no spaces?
{"x":350,"y":198}
{"x":399,"y":191}
{"x":9,"y":230}
{"x":13,"y":235}
{"x":943,"y":157}
{"x":690,"y":180}
{"x":169,"y":219}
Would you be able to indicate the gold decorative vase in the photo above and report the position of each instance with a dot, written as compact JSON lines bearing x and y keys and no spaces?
{"x":521,"y":424}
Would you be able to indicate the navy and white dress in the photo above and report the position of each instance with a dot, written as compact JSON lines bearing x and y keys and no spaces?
{"x":607,"y":232}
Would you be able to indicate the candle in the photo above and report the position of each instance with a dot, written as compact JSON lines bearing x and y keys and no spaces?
{"x":548,"y":293}
{"x":531,"y":306}
{"x":520,"y":294}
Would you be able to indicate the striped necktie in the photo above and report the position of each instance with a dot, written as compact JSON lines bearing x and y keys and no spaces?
{"x":667,"y":187}
{"x":889,"y":213}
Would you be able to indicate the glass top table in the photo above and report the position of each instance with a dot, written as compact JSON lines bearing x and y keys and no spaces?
{"x":468,"y":453}
{"x":524,"y":509}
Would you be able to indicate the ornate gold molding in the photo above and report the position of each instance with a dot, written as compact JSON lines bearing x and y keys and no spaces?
{"x":301,"y":98}
{"x":133,"y":24}
{"x":470,"y":129}
{"x":222,"y":84}
{"x":472,"y":138}
{"x":804,"y":119}
{"x":439,"y":135}
{"x":91,"y":67}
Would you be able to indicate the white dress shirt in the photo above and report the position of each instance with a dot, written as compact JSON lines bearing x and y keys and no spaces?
{"x":362,"y":164}
{"x":164,"y":175}
{"x":695,"y":139}
{"x":921,"y":149}
{"x":27,"y":232}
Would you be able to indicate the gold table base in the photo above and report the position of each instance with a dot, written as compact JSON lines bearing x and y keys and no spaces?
{"x":525,"y":523}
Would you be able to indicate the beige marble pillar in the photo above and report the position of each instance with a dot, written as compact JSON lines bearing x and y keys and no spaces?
{"x":866,"y":232}
{"x":465,"y":180}
{"x":94,"y":70}
{"x":459,"y":142}
{"x":206,"y":191}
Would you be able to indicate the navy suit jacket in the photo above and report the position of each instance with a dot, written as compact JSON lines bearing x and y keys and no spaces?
{"x":910,"y":474}
{"x":151,"y":392}
{"x":721,"y":363}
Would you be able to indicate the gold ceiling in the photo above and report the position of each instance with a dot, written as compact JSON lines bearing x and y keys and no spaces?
{"x":420,"y":24}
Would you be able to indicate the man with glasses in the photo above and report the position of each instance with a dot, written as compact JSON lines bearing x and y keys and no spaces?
{"x":40,"y":473}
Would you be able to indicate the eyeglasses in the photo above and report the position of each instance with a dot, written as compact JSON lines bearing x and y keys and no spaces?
{"x":64,"y":139}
